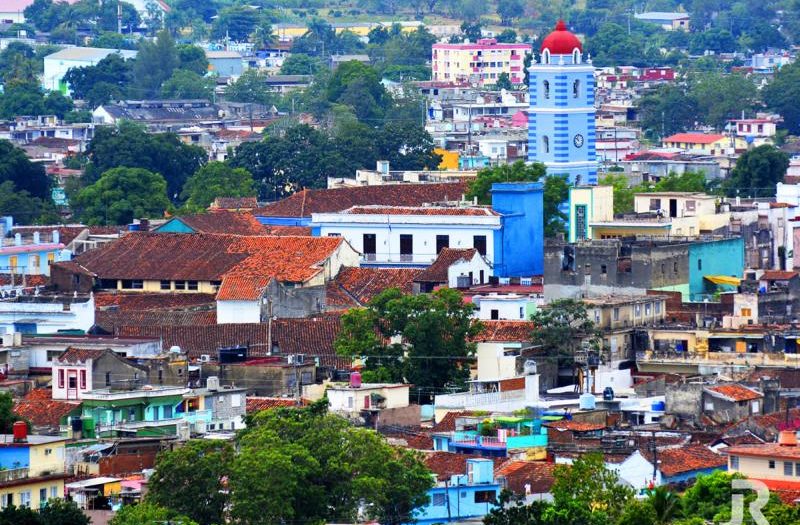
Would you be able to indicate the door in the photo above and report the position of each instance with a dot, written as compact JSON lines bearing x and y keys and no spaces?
{"x":673,"y":207}
{"x":369,"y":246}
{"x":72,"y":384}
{"x":406,"y":248}
{"x":442,"y":241}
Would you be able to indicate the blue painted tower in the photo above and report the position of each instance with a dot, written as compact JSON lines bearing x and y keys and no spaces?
{"x":519,"y":244}
{"x":561,"y":128}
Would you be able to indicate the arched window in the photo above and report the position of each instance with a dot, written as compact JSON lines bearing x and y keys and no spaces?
{"x":546,"y":88}
{"x":546,"y":144}
{"x":546,"y":56}
{"x":576,"y":88}
{"x":576,"y":56}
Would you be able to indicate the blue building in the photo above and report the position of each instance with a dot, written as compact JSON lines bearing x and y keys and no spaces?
{"x":470,"y":495}
{"x":519,"y":244}
{"x":561,"y":120}
{"x":29,"y":252}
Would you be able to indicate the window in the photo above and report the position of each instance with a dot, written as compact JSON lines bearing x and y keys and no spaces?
{"x":788,"y":468}
{"x":603,"y":269}
{"x":494,"y":315}
{"x":406,"y":247}
{"x":771,"y":463}
{"x":746,"y":312}
{"x":479,"y":243}
{"x":675,"y":267}
{"x":131,"y":414}
{"x":616,"y":314}
{"x":166,"y":285}
{"x":734,"y":462}
{"x":797,"y":469}
{"x":160,"y":375}
{"x":658,"y":307}
{"x":72,"y":382}
{"x":42,"y":497}
{"x":6,"y":500}
{"x":191,"y":285}
{"x":439,"y":500}
{"x":699,"y":264}
{"x":637,"y":310}
{"x":576,"y":86}
{"x":485,"y":496}
{"x":581,"y":230}
{"x":83,"y":379}
{"x":546,"y":144}
{"x":236,"y":400}
{"x":522,"y":312}
{"x":546,"y":89}
{"x":54,"y":491}
{"x":663,"y":268}
{"x":60,"y":379}
{"x":167,"y":412}
{"x":655,"y":204}
{"x":108,"y":378}
{"x":25,"y":499}
{"x":546,"y":58}
{"x":132,"y":284}
{"x":442,"y":241}
{"x":13,"y":262}
{"x":108,"y":284}
{"x":180,"y":285}
{"x":647,"y":309}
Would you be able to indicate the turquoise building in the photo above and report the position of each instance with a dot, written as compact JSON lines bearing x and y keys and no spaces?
{"x":561,"y":120}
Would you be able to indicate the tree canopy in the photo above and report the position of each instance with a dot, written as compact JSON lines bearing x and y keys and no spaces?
{"x":757,"y":172}
{"x":216,"y":179}
{"x":121,"y":195}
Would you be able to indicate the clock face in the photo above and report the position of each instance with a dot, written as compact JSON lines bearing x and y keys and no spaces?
{"x":578,"y":140}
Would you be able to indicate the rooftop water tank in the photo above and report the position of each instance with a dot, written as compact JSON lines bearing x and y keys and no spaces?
{"x":20,"y":430}
{"x":355,"y":379}
{"x":586,"y":401}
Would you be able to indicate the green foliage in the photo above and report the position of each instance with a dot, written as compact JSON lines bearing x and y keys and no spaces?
{"x":12,"y":515}
{"x":24,"y":208}
{"x":129,"y":145}
{"x":27,"y":99}
{"x":667,"y":111}
{"x":588,"y":484}
{"x":148,"y":513}
{"x":623,"y":194}
{"x":155,"y":63}
{"x":512,"y":510}
{"x":62,"y":512}
{"x":757,"y":172}
{"x":188,"y":84}
{"x":235,"y":22}
{"x":709,"y":495}
{"x":192,"y":58}
{"x":25,"y":175}
{"x":107,"y":80}
{"x":781,"y":95}
{"x":7,"y":415}
{"x":121,"y":195}
{"x":190,"y":480}
{"x":510,"y":10}
{"x":300,"y":64}
{"x":638,"y":513}
{"x":720,"y":97}
{"x":556,"y":189}
{"x":563,"y":326}
{"x":251,"y":88}
{"x":216,"y":179}
{"x":435,"y":329}
{"x":503,"y":82}
{"x":109,"y":40}
{"x":666,"y":504}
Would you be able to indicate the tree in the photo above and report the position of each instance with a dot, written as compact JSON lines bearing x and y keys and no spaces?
{"x":358,"y":85}
{"x":146,"y":512}
{"x":709,"y":495}
{"x":299,"y":64}
{"x":188,"y":84}
{"x":235,"y":23}
{"x":781,"y":95}
{"x":7,"y":415}
{"x":12,"y":515}
{"x":155,"y":62}
{"x":638,"y":513}
{"x":509,"y":10}
{"x":192,"y":58}
{"x":17,"y":64}
{"x":435,"y":329}
{"x":512,"y":510}
{"x":688,"y":181}
{"x":563,"y":326}
{"x":588,"y":484}
{"x":667,"y":111}
{"x":98,"y":84}
{"x":723,"y":97}
{"x":471,"y":31}
{"x":665,"y":503}
{"x":407,"y":146}
{"x":216,"y":179}
{"x":25,"y":175}
{"x":121,"y":195}
{"x":623,"y":193}
{"x":251,"y":87}
{"x":25,"y":208}
{"x":190,"y":480}
{"x":508,"y":36}
{"x":503,"y":82}
{"x":556,"y":189}
{"x":757,"y":171}
{"x":129,"y":145}
{"x":62,"y":512}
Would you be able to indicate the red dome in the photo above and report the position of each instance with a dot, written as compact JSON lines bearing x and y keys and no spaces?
{"x":561,"y":41}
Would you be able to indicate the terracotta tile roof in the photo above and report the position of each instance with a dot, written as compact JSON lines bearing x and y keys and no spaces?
{"x":313,"y":337}
{"x":287,"y":230}
{"x":42,"y":410}
{"x":748,"y":438}
{"x":765,"y":450}
{"x":448,"y":422}
{"x":30,"y":280}
{"x":575,"y":426}
{"x":788,"y":377}
{"x":505,"y":331}
{"x":257,"y":404}
{"x":68,"y":233}
{"x":153,"y":301}
{"x":735,"y":392}
{"x":413,"y":439}
{"x":447,"y":464}
{"x":421,"y":210}
{"x":437,"y":271}
{"x":110,"y":320}
{"x":537,"y":474}
{"x":695,"y":138}
{"x":306,"y":202}
{"x":787,"y":491}
{"x":515,"y":383}
{"x":777,"y":275}
{"x":226,"y":222}
{"x":688,"y":458}
{"x":242,"y":287}
{"x":75,"y":355}
{"x":234,"y":203}
{"x":360,"y":285}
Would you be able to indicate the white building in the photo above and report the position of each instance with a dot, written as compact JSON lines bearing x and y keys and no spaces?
{"x":506,"y":306}
{"x":410,"y":236}
{"x":46,"y":314}
{"x":57,"y":64}
{"x":367,"y":396}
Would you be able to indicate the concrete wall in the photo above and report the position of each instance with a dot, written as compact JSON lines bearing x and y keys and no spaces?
{"x":720,"y":257}
{"x":684,"y":400}
{"x":238,"y":312}
{"x":293,"y":302}
{"x":760,"y":468}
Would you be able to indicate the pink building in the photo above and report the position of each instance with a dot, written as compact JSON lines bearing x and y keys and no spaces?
{"x":479,"y":62}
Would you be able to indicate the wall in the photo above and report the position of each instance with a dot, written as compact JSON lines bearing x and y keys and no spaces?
{"x":272,"y":381}
{"x":477,"y":267}
{"x":636,"y":471}
{"x":122,"y":374}
{"x":54,"y":488}
{"x":684,"y":400}
{"x":507,"y":308}
{"x":519,"y":245}
{"x":14,"y":457}
{"x":47,"y":457}
{"x":293,"y":302}
{"x":493,"y":364}
{"x":461,"y":500}
{"x":48,"y":314}
{"x":238,"y":312}
{"x":721,"y":257}
{"x":759,"y":468}
{"x":599,"y":203}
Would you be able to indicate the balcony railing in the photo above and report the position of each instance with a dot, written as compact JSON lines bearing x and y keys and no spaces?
{"x":468,"y":399}
{"x":14,"y":474}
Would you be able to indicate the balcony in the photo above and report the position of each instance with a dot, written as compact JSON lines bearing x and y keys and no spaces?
{"x":13,"y":474}
{"x":196,"y":416}
{"x":419,"y":259}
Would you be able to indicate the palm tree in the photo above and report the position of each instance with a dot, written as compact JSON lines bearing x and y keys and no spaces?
{"x":666,"y":503}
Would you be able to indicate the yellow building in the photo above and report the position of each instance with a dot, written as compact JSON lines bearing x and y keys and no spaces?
{"x":589,"y":205}
{"x":481,"y":62}
{"x":706,"y":143}
{"x":31,"y":471}
{"x":449,"y":159}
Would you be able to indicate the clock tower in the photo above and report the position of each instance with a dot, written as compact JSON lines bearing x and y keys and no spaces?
{"x":561,"y":127}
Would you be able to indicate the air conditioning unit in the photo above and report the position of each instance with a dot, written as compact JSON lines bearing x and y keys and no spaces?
{"x":205,"y":358}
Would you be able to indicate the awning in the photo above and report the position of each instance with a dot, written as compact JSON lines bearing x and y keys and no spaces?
{"x":723,"y":279}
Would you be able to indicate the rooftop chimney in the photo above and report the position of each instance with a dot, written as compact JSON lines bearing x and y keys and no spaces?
{"x":787,"y":438}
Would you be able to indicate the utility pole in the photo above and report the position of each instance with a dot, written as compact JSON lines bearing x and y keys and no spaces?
{"x":119,"y":16}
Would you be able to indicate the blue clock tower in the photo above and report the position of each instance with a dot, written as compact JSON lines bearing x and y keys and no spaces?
{"x":561,"y":127}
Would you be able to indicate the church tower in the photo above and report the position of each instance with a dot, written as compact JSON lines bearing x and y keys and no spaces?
{"x":561,"y":127}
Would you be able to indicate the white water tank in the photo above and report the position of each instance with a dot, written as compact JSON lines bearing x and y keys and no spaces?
{"x":586,"y":401}
{"x":212,"y":383}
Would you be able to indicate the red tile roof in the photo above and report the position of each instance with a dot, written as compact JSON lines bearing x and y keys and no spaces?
{"x":515,"y":383}
{"x":688,"y":458}
{"x":505,"y":331}
{"x":777,"y":275}
{"x":437,"y":271}
{"x":787,"y":491}
{"x":234,"y":203}
{"x":42,"y":410}
{"x":30,"y":280}
{"x":257,"y":404}
{"x":765,"y":450}
{"x":287,"y":230}
{"x":447,"y":464}
{"x":736,"y":392}
{"x":74,"y":355}
{"x":575,"y":426}
{"x":538,"y":475}
{"x":313,"y":337}
{"x":227,"y":222}
{"x":110,"y":320}
{"x":306,"y":202}
{"x":421,"y":210}
{"x":448,"y":422}
{"x":360,"y":285}
{"x":242,"y":287}
{"x":413,"y":439}
{"x":153,"y":301}
{"x":695,"y":138}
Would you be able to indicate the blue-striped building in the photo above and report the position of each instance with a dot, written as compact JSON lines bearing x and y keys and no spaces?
{"x":561,"y":121}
